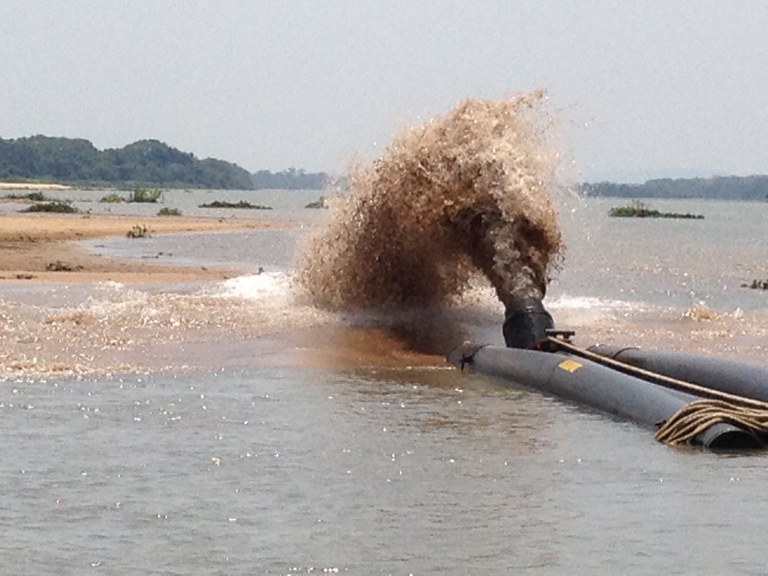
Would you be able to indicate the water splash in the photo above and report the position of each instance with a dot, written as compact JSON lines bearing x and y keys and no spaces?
{"x":464,"y":192}
{"x":112,"y":327}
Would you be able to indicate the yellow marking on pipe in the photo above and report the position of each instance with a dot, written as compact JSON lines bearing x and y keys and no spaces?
{"x":570,"y":365}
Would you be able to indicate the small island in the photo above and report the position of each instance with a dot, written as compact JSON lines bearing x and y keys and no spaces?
{"x":318,"y":204}
{"x":242,"y":205}
{"x":638,"y":209}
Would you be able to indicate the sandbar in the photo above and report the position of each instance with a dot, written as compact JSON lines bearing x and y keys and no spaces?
{"x":43,"y":247}
{"x":32,"y":186}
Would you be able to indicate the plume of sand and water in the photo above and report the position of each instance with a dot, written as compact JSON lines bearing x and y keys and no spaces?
{"x":463,"y":193}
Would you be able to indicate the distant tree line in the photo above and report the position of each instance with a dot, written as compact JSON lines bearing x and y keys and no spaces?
{"x":719,"y":187}
{"x":146,"y":162}
{"x":290,"y":179}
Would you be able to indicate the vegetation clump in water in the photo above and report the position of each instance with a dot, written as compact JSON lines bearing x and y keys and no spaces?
{"x":318,"y":204}
{"x":31,"y":196}
{"x":244,"y":205}
{"x":465,"y":192}
{"x":147,"y":195}
{"x":55,"y":206}
{"x":113,"y":198}
{"x":756,"y":284}
{"x":638,"y":209}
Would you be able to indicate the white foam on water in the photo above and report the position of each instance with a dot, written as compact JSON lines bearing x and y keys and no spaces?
{"x":569,"y":310}
{"x":568,"y":302}
{"x":270,"y":297}
{"x":114,"y":326}
{"x":109,"y":285}
{"x":275,"y":285}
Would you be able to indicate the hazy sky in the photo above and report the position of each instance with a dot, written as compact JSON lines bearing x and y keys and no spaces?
{"x":642,"y":89}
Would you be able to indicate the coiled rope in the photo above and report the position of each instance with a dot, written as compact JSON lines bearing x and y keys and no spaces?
{"x":715,"y":407}
{"x":695,"y":417}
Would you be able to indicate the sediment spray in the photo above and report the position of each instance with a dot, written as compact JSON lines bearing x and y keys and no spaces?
{"x":463,"y":193}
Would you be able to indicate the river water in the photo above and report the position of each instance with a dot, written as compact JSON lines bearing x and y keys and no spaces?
{"x":231,"y":428}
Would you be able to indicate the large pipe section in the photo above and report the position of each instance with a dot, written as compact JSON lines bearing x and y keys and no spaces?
{"x":739,"y":379}
{"x":589,"y":383}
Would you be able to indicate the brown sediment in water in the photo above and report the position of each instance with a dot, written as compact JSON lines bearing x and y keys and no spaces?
{"x":81,"y":324}
{"x":116,"y":328}
{"x":465,"y":192}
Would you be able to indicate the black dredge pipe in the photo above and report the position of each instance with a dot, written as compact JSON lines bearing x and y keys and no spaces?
{"x":736,"y":378}
{"x":591,"y":384}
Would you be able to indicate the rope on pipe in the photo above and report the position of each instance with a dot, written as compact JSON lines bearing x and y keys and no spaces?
{"x":715,"y":407}
{"x":661,"y":379}
{"x":697,"y":416}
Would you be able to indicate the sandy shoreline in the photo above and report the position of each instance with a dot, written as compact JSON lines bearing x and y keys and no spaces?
{"x":43,"y":247}
{"x":32,"y":186}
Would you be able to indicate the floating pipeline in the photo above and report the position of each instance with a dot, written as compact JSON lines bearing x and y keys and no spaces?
{"x":590,"y":383}
{"x":725,"y":376}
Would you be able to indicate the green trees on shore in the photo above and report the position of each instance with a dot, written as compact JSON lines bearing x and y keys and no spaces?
{"x":290,"y":179}
{"x":719,"y":187}
{"x":151,"y":163}
{"x":143,"y":163}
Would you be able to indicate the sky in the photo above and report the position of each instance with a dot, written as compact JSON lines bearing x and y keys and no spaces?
{"x":641,"y":90}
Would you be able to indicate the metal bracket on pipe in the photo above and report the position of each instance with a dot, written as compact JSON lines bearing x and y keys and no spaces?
{"x":462,"y":355}
{"x":554,"y":338}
